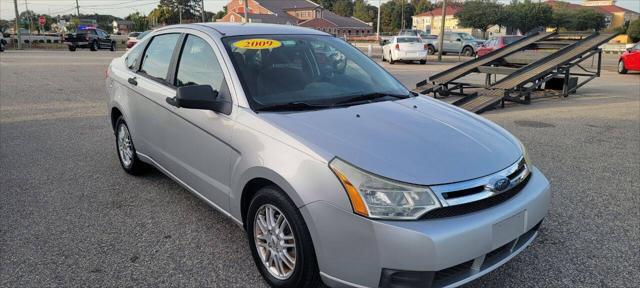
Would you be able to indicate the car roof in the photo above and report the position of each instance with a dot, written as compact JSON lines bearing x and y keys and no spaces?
{"x":240,"y":29}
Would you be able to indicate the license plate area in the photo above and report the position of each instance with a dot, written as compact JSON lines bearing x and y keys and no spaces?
{"x":508,"y":229}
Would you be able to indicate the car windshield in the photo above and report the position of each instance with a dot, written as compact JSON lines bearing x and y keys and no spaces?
{"x":141,"y":35}
{"x":509,"y":40}
{"x":408,"y":39}
{"x":287,"y":72}
{"x":465,"y":36}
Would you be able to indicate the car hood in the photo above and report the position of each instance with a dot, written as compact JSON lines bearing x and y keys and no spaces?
{"x":414,"y":140}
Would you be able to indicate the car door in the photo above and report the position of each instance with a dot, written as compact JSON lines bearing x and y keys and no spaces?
{"x":634,"y":58}
{"x":195,"y":143}
{"x":102,"y":38}
{"x":149,"y":88}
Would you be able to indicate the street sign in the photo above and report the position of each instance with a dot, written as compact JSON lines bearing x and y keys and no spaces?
{"x":42,"y":20}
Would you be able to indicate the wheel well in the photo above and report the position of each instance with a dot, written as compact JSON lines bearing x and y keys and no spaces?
{"x":115,"y":114}
{"x":249,"y":190}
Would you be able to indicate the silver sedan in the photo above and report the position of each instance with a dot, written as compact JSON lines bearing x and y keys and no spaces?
{"x":337,"y":172}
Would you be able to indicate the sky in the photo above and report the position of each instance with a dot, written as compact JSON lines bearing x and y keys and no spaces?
{"x":122,"y":8}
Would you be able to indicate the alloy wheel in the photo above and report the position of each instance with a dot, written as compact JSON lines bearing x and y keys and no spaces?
{"x":275,"y":241}
{"x":125,"y":146}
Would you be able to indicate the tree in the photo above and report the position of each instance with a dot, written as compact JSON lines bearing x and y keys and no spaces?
{"x":161,"y":15}
{"x":634,"y":30}
{"x":364,"y":11}
{"x":587,"y":19}
{"x":561,"y":17}
{"x":480,"y":14}
{"x":527,"y":15}
{"x":343,"y":8}
{"x":5,"y":25}
{"x":326,"y":4}
{"x":391,"y":17}
{"x":140,"y":22}
{"x":423,"y":6}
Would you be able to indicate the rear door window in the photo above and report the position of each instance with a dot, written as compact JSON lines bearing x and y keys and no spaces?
{"x":157,"y":57}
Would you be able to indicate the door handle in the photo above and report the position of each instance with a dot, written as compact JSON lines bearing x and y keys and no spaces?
{"x":133,"y":81}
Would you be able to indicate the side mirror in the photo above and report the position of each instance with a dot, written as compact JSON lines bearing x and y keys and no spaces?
{"x":459,"y":40}
{"x":629,"y":49}
{"x":201,"y":97}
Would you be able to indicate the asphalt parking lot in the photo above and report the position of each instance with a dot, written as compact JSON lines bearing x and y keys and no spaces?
{"x":70,"y":217}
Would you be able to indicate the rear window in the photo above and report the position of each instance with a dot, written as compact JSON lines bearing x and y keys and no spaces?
{"x":408,"y":40}
{"x":509,"y":40}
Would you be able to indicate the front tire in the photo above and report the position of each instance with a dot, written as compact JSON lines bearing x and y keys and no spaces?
{"x":431,"y":50}
{"x":72,"y":48}
{"x":423,"y":62}
{"x":113,"y":46}
{"x":621,"y":68}
{"x":467,"y":51}
{"x":280,"y":241}
{"x":126,"y":151}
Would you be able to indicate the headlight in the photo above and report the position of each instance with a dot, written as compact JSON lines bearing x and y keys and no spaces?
{"x":376,"y":197}
{"x":525,"y":154}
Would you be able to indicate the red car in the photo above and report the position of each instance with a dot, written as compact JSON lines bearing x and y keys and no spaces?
{"x":630,"y":60}
{"x":496,"y":43}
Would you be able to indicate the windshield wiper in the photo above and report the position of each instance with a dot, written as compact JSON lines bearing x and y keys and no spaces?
{"x":294,"y":106}
{"x":369,"y":97}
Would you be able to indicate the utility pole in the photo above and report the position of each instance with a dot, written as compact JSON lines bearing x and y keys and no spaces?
{"x":441,"y":36}
{"x":15,"y":5}
{"x":78,"y":10}
{"x":26,"y":7}
{"x":378,"y":25}
{"x":180,"y":13}
{"x":246,"y":11}
{"x":203,"y":13}
{"x":402,"y":18}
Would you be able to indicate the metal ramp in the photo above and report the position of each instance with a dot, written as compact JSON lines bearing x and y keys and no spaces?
{"x":463,"y":69}
{"x":520,"y":82}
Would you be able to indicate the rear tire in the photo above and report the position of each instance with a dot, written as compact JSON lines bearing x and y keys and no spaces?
{"x":621,"y":68}
{"x":391,"y":61}
{"x":113,"y":46}
{"x":271,"y":200}
{"x":423,"y":62}
{"x":72,"y":48}
{"x":126,"y":150}
{"x":94,"y":46}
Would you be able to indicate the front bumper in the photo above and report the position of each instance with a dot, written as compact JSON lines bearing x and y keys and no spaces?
{"x":352,"y":251}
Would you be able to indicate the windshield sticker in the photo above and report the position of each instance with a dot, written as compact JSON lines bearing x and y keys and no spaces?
{"x":257,"y":44}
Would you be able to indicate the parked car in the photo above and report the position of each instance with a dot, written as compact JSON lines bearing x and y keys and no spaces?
{"x":496,"y":43}
{"x":630,"y":60}
{"x":131,"y":41}
{"x":133,"y":35}
{"x":91,"y":38}
{"x":404,"y":48}
{"x":459,"y":43}
{"x":338,"y":173}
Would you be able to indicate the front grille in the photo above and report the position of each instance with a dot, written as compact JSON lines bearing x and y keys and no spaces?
{"x":471,"y":207}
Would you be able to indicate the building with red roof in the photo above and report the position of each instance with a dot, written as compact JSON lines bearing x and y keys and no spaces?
{"x":616,"y":16}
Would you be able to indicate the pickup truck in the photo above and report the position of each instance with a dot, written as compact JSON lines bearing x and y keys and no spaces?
{"x":93,"y":39}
